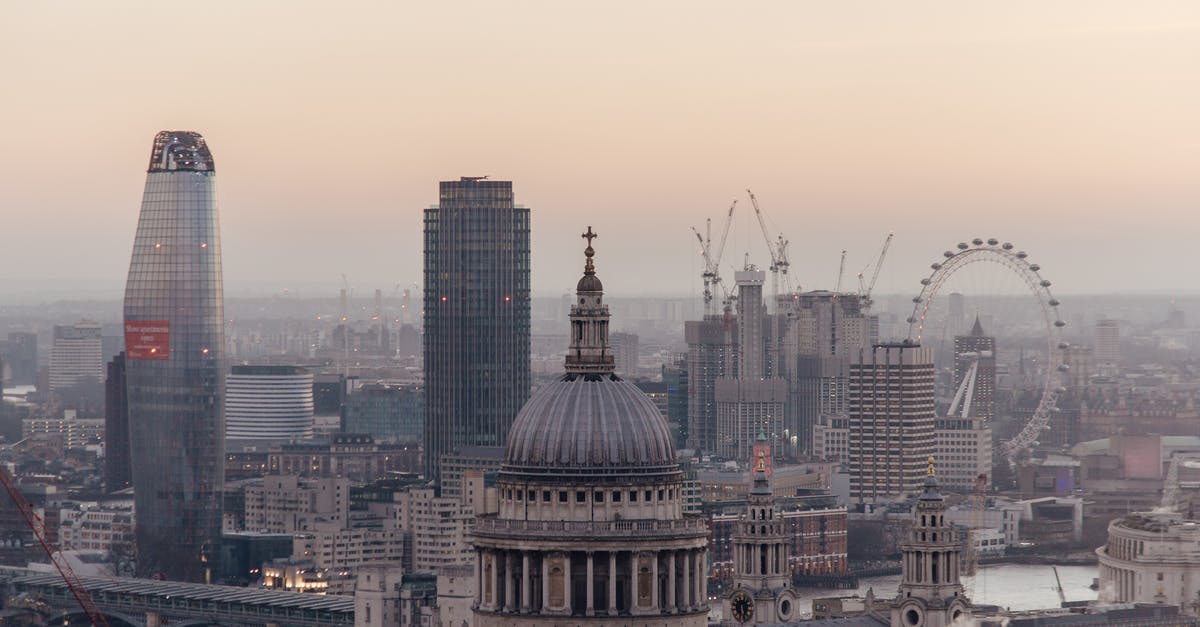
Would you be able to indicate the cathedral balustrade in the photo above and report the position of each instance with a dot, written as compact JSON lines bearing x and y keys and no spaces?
{"x":639,"y":528}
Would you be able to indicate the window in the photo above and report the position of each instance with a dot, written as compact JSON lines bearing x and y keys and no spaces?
{"x":545,"y":496}
{"x":649,"y":495}
{"x":562,"y":496}
{"x":598,"y":496}
{"x":633,"y":496}
{"x":580,"y":496}
{"x":616,"y":496}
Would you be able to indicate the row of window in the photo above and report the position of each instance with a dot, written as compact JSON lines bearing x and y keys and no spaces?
{"x":598,"y":496}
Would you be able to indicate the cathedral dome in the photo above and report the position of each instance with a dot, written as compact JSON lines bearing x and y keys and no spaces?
{"x":594,"y":422}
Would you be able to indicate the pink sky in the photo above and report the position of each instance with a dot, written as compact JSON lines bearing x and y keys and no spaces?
{"x":1069,"y":128}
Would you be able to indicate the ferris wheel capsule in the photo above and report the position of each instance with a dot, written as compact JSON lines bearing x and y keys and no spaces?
{"x":993,"y":241}
{"x":926,"y":281}
{"x":916,"y":299}
{"x":977,"y":242}
{"x":1007,"y":246}
{"x":1064,"y":345}
{"x":962,"y":246}
{"x":948,"y":254}
{"x":1022,"y":254}
{"x":1034,"y":267}
{"x":911,"y":320}
{"x":1060,"y":389}
{"x":1064,"y":367}
{"x":1059,"y":323}
{"x":1045,"y":283}
{"x":1054,"y":302}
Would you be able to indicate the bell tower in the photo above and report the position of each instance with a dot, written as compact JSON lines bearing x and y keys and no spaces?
{"x":931,"y":594}
{"x":761,"y":591}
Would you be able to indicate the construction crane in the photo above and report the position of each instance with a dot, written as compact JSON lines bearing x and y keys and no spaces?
{"x":978,"y":505}
{"x":841,"y":271}
{"x":777,"y":249}
{"x":86,"y":603}
{"x":712,"y":259}
{"x":865,"y":289}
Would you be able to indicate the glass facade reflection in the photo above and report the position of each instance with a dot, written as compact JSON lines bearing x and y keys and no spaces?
{"x":476,"y":316}
{"x":174,"y":335}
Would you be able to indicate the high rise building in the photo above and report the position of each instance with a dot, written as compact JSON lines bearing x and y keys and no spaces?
{"x":712,"y":355}
{"x":1107,"y":349}
{"x":268,"y":403}
{"x":963,"y":442}
{"x":891,"y":420}
{"x":76,"y":357}
{"x":476,"y":316}
{"x":828,"y":327}
{"x":591,"y":528}
{"x":116,"y":427}
{"x":21,"y":357}
{"x":175,"y":343}
{"x":751,"y":404}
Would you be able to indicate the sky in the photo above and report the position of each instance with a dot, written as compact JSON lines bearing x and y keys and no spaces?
{"x":1071,"y":129}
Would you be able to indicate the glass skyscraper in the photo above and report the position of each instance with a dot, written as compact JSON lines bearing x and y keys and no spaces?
{"x":175,"y":341}
{"x":476,"y":316}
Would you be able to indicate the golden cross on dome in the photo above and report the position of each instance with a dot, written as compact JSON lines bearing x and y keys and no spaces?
{"x":930,"y":462}
{"x":589,"y":236}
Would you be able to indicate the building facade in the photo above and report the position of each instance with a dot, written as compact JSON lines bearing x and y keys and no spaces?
{"x":116,"y":427}
{"x":389,"y":412}
{"x":268,"y":403}
{"x":1151,"y":557}
{"x":891,"y":420}
{"x":476,"y":316}
{"x":175,"y":343}
{"x":591,"y":528}
{"x":76,"y":356}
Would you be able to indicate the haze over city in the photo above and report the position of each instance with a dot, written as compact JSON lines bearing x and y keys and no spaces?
{"x":1069,"y":129}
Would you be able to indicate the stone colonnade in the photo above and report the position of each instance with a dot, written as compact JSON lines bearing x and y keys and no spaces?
{"x":591,"y":583}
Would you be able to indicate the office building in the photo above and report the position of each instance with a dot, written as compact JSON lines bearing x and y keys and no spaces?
{"x":591,"y":528}
{"x":76,"y":356}
{"x":712,"y":355}
{"x":751,"y":404}
{"x":1107,"y":343}
{"x":268,"y":403}
{"x":476,"y":316}
{"x":175,"y":343}
{"x":117,"y":473}
{"x":1151,"y":557}
{"x":891,"y":420}
{"x":389,"y":412}
{"x":975,"y":356}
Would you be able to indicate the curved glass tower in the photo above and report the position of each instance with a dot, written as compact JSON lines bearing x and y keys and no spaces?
{"x":175,"y":341}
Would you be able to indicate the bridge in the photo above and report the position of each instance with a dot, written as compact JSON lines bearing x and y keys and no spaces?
{"x":149,"y":603}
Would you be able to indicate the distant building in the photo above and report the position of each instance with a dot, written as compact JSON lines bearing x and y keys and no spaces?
{"x":21,"y":357}
{"x":74,"y":432}
{"x":456,"y":465}
{"x":1107,"y":342}
{"x":268,"y":403}
{"x":117,"y":473}
{"x":751,"y":404}
{"x":625,"y":353}
{"x":891,"y":420}
{"x":355,"y":456}
{"x":76,"y":357}
{"x":712,"y":355}
{"x":389,"y":412}
{"x":477,"y":316}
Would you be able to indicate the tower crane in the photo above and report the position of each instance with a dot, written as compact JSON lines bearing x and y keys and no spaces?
{"x":777,"y":249}
{"x":865,"y":290}
{"x":712,"y":258}
{"x":841,"y":271}
{"x":1170,"y":500}
{"x":82,"y":596}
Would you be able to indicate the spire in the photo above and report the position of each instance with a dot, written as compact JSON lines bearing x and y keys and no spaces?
{"x":589,"y":353}
{"x":977,"y":329}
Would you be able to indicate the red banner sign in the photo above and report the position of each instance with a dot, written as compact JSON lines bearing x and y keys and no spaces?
{"x":147,"y":339}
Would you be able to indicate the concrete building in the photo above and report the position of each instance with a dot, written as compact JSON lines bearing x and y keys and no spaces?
{"x":591,"y":528}
{"x":625,"y":354}
{"x":76,"y":356}
{"x":1151,"y":557}
{"x":751,"y":404}
{"x":355,"y":456}
{"x":174,"y":315}
{"x":74,"y":432}
{"x":1106,"y":349}
{"x":290,"y":504}
{"x":476,"y":316}
{"x":712,"y":355}
{"x":891,"y":420}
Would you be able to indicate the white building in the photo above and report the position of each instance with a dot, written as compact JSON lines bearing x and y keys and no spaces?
{"x":962,"y":455}
{"x":76,"y":356}
{"x":75,"y":432}
{"x":288,"y":504}
{"x":268,"y":403}
{"x":1151,"y":558}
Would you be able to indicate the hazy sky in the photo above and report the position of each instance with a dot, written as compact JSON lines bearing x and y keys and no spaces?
{"x":1069,"y":128}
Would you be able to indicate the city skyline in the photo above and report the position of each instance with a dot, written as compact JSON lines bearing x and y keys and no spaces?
{"x":847,"y":123}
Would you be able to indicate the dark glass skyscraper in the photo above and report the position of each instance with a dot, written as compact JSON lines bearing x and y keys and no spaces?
{"x":476,"y":316}
{"x":174,"y":343}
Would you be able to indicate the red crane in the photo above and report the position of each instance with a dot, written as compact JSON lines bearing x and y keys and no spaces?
{"x":56,"y":557}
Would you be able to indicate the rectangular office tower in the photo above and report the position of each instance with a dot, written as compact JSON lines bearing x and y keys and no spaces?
{"x":891,"y":420}
{"x":476,"y":316}
{"x":174,"y":348}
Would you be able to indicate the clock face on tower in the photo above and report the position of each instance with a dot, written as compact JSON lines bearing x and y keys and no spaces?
{"x":742,"y":606}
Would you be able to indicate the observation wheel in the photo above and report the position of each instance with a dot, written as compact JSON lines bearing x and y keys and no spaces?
{"x":1017,"y":263}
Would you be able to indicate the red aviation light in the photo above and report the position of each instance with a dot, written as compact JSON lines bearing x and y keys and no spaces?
{"x":157,"y":245}
{"x":443,"y":299}
{"x":203,"y":244}
{"x":508,"y":299}
{"x":204,"y":351}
